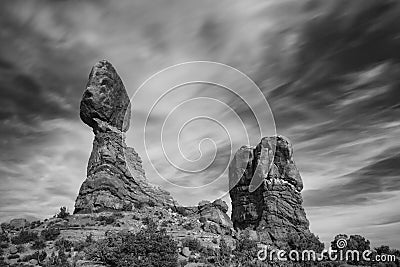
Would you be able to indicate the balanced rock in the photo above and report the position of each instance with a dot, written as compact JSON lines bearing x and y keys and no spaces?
{"x":265,"y":187}
{"x":115,"y":177}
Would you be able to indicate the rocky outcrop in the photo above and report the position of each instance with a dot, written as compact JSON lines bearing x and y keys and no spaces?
{"x":115,"y":177}
{"x":265,"y":187}
{"x":212,"y":216}
{"x":18,"y":223}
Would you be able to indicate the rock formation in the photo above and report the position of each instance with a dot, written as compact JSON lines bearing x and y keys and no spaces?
{"x":274,"y":207}
{"x":115,"y":177}
{"x":212,"y":216}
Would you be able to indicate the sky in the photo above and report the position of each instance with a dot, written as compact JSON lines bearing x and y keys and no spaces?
{"x":329,"y":71}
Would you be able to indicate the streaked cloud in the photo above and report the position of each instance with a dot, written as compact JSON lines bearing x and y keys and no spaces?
{"x":329,"y":70}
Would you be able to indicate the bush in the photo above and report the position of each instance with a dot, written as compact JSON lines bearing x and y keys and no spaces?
{"x":310,"y":242}
{"x":149,"y":247}
{"x":106,"y":219}
{"x":38,"y":244}
{"x":4,"y":238}
{"x":50,"y":233}
{"x":21,"y":249}
{"x":192,"y":243}
{"x":246,"y":250}
{"x":64,"y":244}
{"x":146,"y":220}
{"x":354,"y":242}
{"x":188,"y":226}
{"x":35,"y":224}
{"x":89,"y":238}
{"x":63,"y":213}
{"x":59,"y":260}
{"x":224,"y":253}
{"x":24,"y":237}
{"x":382,"y":250}
{"x":39,"y":256}
{"x":11,"y":257}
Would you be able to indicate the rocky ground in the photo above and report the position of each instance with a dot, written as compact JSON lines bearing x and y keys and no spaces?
{"x":206,"y":223}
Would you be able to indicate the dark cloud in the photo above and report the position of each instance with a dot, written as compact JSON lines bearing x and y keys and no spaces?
{"x":343,"y":62}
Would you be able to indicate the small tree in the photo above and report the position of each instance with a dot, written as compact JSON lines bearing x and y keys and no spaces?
{"x":50,"y":233}
{"x":224,"y":254}
{"x":382,"y":250}
{"x":192,"y":243}
{"x":63,"y":213}
{"x":246,"y":250}
{"x":24,"y":237}
{"x":38,"y":244}
{"x":354,"y":242}
{"x":59,"y":260}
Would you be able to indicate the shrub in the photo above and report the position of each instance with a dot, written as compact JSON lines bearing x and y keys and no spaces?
{"x":59,"y":260}
{"x":224,"y":253}
{"x":63,"y":213}
{"x":38,"y":244}
{"x":24,"y":237}
{"x":21,"y":249}
{"x":148,"y":247}
{"x":189,"y":226}
{"x":308,"y":242}
{"x":5,"y":226}
{"x":151,"y":203}
{"x":4,"y":238}
{"x":382,"y":250}
{"x":139,"y":205}
{"x":164,"y":224}
{"x":146,"y":220}
{"x":106,"y":219}
{"x":50,"y":233}
{"x":192,"y":243}
{"x":63,"y":244}
{"x":89,"y":238}
{"x":246,"y":250}
{"x":387,"y":251}
{"x":80,"y":245}
{"x":35,"y":224}
{"x":11,"y":257}
{"x":354,"y":242}
{"x":39,"y":256}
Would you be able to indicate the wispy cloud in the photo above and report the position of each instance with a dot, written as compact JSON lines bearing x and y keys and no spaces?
{"x":328,"y":69}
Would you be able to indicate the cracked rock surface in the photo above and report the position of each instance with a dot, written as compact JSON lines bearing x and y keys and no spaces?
{"x":265,"y":188}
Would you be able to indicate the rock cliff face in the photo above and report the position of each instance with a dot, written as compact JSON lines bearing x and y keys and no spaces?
{"x":115,"y":177}
{"x":265,"y":192}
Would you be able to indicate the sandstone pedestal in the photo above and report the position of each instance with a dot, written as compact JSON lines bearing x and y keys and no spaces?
{"x":115,"y":177}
